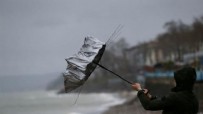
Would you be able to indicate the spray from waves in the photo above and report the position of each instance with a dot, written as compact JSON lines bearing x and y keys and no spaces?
{"x":113,"y":100}
{"x":42,"y":102}
{"x":96,"y":103}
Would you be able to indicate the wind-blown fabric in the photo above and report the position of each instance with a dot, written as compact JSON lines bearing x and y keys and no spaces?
{"x":81,"y":65}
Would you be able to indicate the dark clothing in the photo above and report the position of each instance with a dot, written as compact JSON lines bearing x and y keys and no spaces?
{"x":185,"y":79}
{"x":180,"y":102}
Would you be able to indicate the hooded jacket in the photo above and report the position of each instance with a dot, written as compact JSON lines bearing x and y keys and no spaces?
{"x":181,"y":100}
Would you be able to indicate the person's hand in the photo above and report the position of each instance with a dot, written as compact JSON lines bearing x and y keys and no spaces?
{"x":136,"y":86}
{"x":146,"y":91}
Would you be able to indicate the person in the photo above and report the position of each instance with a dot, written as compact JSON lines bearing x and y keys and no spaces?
{"x":181,"y":99}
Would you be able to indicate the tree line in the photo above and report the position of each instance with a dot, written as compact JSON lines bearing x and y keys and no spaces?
{"x":181,"y":38}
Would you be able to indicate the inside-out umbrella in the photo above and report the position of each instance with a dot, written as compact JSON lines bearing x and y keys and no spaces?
{"x":82,"y":64}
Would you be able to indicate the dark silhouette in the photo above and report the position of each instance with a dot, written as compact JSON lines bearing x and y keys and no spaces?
{"x":181,"y":100}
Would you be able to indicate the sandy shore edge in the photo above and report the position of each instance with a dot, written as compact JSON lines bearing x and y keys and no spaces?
{"x":130,"y":106}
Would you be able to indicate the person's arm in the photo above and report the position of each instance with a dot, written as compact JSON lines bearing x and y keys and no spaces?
{"x":156,"y":104}
{"x":149,"y":104}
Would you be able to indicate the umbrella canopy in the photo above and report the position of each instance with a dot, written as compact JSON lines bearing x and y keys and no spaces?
{"x":82,"y":64}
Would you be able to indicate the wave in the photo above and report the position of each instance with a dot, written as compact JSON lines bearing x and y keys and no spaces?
{"x":52,"y":103}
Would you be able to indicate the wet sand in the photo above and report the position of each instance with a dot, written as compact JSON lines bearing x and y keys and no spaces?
{"x":130,"y":108}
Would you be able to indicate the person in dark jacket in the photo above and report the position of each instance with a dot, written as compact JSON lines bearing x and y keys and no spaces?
{"x":181,"y":100}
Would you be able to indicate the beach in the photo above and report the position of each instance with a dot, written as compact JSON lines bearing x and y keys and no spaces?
{"x":132,"y":105}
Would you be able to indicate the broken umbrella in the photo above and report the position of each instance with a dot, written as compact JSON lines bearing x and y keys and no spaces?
{"x":81,"y":65}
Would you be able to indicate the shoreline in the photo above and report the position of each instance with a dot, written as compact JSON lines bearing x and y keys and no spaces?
{"x":131,"y":105}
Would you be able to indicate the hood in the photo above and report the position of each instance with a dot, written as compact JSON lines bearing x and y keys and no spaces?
{"x":185,"y":79}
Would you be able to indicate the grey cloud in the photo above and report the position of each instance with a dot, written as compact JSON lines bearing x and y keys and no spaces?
{"x":49,"y":23}
{"x":36,"y":35}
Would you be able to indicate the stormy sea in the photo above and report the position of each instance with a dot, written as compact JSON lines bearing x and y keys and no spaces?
{"x":43,"y":102}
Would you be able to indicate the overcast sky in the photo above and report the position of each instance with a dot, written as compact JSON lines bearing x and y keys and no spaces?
{"x":36,"y":35}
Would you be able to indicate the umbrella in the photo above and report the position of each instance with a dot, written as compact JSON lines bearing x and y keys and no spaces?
{"x":82,"y":64}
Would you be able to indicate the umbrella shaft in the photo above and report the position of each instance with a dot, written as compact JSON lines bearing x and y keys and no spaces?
{"x":114,"y":73}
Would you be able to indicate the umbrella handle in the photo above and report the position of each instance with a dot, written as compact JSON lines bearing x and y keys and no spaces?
{"x":114,"y":73}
